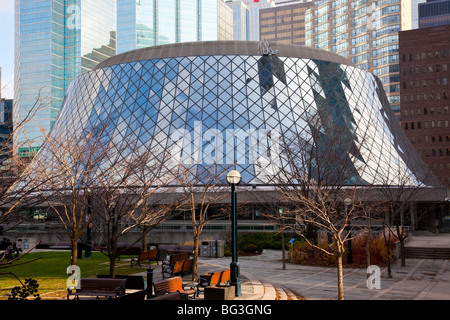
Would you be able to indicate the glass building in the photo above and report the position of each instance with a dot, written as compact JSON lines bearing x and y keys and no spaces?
{"x":246,"y":19}
{"x":55,"y":41}
{"x":364,"y":31}
{"x":147,"y":23}
{"x":433,"y":13}
{"x":225,"y":103}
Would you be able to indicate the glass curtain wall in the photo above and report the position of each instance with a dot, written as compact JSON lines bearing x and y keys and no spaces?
{"x":55,"y":41}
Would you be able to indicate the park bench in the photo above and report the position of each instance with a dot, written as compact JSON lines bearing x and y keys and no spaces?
{"x":177,"y":248}
{"x":219,"y":278}
{"x":172,"y":285}
{"x":129,"y":251}
{"x":98,"y":287}
{"x":136,"y":282}
{"x":177,"y":295}
{"x":179,"y":268}
{"x":149,"y":255}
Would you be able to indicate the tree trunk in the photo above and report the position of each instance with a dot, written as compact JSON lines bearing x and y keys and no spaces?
{"x":112,"y":266}
{"x":74,"y":257}
{"x":340,"y":275}
{"x":195,"y":257}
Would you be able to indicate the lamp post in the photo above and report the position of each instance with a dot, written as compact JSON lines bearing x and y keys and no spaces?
{"x":233,"y":178}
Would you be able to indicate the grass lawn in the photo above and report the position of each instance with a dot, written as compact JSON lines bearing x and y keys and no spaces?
{"x":50,"y":271}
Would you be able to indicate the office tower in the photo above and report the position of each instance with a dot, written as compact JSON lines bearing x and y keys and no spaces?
{"x":364,"y":31}
{"x":5,"y":128}
{"x":425,"y":75}
{"x":434,"y":13}
{"x":284,"y":23}
{"x":415,"y":13}
{"x":55,"y":41}
{"x":147,"y":23}
{"x":246,"y":15}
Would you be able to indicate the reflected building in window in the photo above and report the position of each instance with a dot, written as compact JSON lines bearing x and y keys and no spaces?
{"x":364,"y":31}
{"x":146,"y":23}
{"x":55,"y":41}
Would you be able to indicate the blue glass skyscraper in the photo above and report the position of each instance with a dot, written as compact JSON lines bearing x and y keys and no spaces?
{"x":146,"y":23}
{"x":55,"y":41}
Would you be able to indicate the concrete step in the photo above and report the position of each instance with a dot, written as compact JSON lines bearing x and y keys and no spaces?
{"x":427,"y":253}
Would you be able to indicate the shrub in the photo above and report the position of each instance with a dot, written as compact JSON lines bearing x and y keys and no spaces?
{"x":302,"y":253}
{"x":23,"y":292}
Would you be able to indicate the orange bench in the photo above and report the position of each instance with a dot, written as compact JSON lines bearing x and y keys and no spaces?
{"x":215,"y":279}
{"x":179,"y":268}
{"x":150,"y":255}
{"x":170,"y":285}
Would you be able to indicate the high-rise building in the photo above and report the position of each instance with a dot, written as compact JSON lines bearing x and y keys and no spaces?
{"x":425,"y":75}
{"x":246,"y":18}
{"x":364,"y":31}
{"x":415,"y":13}
{"x":284,"y":23}
{"x":434,"y":13}
{"x":55,"y":41}
{"x":147,"y":23}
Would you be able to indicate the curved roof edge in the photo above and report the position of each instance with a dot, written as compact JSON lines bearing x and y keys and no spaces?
{"x":182,"y":49}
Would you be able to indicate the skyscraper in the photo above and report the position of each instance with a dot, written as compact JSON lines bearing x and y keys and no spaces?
{"x":147,"y":23}
{"x":415,"y":13}
{"x":246,"y":18}
{"x":55,"y":41}
{"x":366,"y":32}
{"x":425,"y":74}
{"x":284,"y":23}
{"x":434,"y":13}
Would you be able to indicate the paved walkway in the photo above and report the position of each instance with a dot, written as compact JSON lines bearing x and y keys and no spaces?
{"x":263,"y":278}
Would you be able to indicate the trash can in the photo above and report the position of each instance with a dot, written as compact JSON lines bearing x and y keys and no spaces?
{"x":205,"y":249}
{"x":212,"y":248}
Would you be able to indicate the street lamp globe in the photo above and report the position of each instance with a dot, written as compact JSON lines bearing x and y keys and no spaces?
{"x":233,"y":177}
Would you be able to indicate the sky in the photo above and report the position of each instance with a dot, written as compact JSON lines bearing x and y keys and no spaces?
{"x":7,"y":47}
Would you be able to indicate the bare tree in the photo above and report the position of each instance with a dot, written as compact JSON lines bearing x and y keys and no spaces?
{"x":399,"y":195}
{"x":14,"y":195}
{"x":320,"y":183}
{"x":136,"y":195}
{"x":201,"y":187}
{"x":65,"y":171}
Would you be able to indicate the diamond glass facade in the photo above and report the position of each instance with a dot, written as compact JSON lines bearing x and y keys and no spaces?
{"x":227,"y":108}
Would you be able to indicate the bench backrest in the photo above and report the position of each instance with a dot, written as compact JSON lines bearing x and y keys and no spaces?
{"x":170,"y":285}
{"x":102,"y":284}
{"x":225,"y":276}
{"x":187,"y":265}
{"x":152,"y":254}
{"x":220,"y":277}
{"x":133,"y":282}
{"x":129,"y":251}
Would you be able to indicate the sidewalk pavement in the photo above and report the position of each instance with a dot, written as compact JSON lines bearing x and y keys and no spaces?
{"x":263,"y":278}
